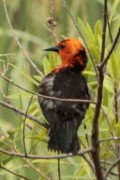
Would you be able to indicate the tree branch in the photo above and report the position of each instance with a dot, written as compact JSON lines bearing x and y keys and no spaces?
{"x":111,"y":49}
{"x":31,"y":156}
{"x":109,"y":139}
{"x":89,"y":162}
{"x":111,"y":167}
{"x":95,"y":126}
{"x":47,"y":97}
{"x":24,"y":114}
{"x":104,"y":31}
{"x":14,"y":173}
{"x":24,"y":122}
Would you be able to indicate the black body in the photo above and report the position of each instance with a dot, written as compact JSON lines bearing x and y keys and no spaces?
{"x":64,"y":118}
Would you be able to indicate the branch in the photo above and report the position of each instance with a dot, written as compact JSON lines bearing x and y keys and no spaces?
{"x":17,"y":40}
{"x":51,"y":20}
{"x":31,"y":156}
{"x":7,"y":140}
{"x":111,"y":167}
{"x":24,"y":122}
{"x":104,"y":31}
{"x":16,"y":174}
{"x":36,"y":169}
{"x":89,"y":162}
{"x":95,"y":126}
{"x":47,"y":97}
{"x":109,"y":139}
{"x":24,"y":114}
{"x":111,"y":49}
{"x":109,"y":28}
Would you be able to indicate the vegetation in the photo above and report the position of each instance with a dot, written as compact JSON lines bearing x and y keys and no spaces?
{"x":38,"y":24}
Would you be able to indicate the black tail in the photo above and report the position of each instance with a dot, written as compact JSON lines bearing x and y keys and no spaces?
{"x":63,"y":137}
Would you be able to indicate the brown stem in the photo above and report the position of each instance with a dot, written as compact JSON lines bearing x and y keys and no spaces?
{"x":22,"y":113}
{"x":16,"y":174}
{"x":31,"y":156}
{"x":111,"y":167}
{"x":111,"y":49}
{"x":95,"y":130}
{"x":117,"y":119}
{"x":95,"y":127}
{"x":116,"y":103}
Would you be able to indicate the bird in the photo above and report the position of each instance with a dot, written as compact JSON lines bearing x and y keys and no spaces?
{"x":65,"y":82}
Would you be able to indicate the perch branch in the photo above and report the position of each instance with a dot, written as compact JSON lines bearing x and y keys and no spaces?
{"x":47,"y":97}
{"x":30,"y":156}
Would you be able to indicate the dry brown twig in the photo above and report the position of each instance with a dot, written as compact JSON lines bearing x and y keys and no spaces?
{"x":14,"y":173}
{"x":61,"y":156}
{"x":51,"y":20}
{"x":47,"y":97}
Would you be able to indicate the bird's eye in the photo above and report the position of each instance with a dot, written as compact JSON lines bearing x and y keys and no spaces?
{"x":62,"y":46}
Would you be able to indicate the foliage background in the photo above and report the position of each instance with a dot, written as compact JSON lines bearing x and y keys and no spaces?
{"x":29,"y":21}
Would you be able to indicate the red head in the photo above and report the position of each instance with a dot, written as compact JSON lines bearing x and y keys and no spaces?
{"x":71,"y":52}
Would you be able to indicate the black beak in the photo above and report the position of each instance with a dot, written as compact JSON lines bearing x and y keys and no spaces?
{"x":54,"y":48}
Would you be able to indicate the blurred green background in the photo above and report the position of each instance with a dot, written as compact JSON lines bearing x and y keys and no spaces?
{"x":29,"y":19}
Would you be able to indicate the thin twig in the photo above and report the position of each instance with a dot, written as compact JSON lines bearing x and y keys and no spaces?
{"x":17,"y":40}
{"x":74,"y":21}
{"x":24,"y":122}
{"x":109,"y":28}
{"x":31,"y":156}
{"x":36,"y":169}
{"x":7,"y":140}
{"x":112,"y":173}
{"x":117,"y":146}
{"x":14,"y":173}
{"x":51,"y":20}
{"x":109,"y":139}
{"x":59,"y":172}
{"x":47,"y":97}
{"x":104,"y":31}
{"x":106,"y":162}
{"x":111,"y":167}
{"x":111,"y":49}
{"x":116,"y":103}
{"x":24,"y":114}
{"x":89,"y":162}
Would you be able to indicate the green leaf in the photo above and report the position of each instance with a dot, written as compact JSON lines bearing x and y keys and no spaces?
{"x":109,"y":84}
{"x":113,"y":9}
{"x":90,"y":33}
{"x":17,"y":95}
{"x":46,"y":66}
{"x":37,"y":77}
{"x":97,"y":33}
{"x":25,"y":74}
{"x":89,"y":73}
{"x":52,"y":60}
{"x":117,"y":127}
